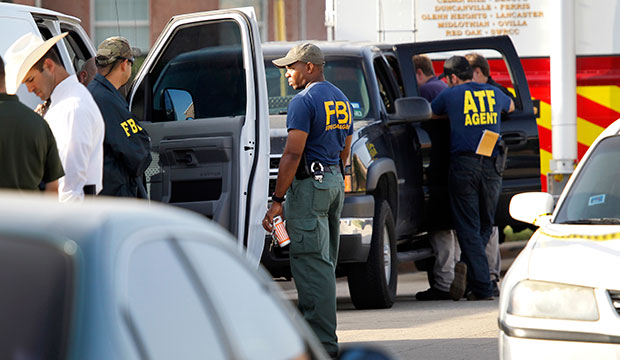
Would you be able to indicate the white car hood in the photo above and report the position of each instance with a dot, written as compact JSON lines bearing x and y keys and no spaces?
{"x":587,"y":255}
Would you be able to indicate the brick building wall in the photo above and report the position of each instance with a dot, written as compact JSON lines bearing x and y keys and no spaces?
{"x":79,"y":9}
{"x":301,"y":24}
{"x":163,"y":10}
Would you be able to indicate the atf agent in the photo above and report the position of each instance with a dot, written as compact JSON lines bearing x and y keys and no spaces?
{"x":319,"y":124}
{"x":126,"y":146}
{"x":474,"y":180}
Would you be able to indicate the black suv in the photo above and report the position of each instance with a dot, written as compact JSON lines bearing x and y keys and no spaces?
{"x":394,"y":158}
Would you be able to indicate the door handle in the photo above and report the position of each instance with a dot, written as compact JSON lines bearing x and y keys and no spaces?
{"x":188,"y":158}
{"x":514,"y":138}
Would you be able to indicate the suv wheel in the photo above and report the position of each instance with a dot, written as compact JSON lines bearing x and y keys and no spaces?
{"x":372,"y":285}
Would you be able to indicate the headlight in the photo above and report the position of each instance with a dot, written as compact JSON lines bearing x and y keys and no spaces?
{"x":549,"y":300}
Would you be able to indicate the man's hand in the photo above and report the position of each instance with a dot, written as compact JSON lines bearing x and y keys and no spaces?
{"x":274,"y":210}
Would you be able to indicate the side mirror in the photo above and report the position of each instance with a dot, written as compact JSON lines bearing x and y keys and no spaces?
{"x":412,"y":109}
{"x":178,"y":105}
{"x":531,"y":207}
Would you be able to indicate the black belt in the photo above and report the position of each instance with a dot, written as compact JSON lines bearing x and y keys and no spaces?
{"x":90,"y":190}
{"x":332,"y":169}
{"x":473,"y":155}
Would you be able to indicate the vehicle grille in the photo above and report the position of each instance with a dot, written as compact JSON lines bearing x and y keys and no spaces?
{"x":615,"y":299}
{"x":274,"y":163}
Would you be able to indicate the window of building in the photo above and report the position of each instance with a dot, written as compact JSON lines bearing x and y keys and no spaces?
{"x":127,"y":18}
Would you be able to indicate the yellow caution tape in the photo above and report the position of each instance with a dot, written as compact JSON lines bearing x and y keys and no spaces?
{"x":605,"y":237}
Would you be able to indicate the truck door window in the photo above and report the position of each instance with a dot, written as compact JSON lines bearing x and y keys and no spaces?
{"x":78,"y":51}
{"x":386,"y":88}
{"x":203,"y":63}
{"x":393,"y":62}
{"x":499,"y":71}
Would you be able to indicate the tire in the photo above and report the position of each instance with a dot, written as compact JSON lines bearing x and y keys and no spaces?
{"x":372,"y":285}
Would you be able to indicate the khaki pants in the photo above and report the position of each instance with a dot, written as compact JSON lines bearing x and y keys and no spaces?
{"x":312,"y":211}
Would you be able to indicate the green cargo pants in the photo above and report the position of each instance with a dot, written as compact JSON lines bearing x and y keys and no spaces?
{"x":312,"y":211}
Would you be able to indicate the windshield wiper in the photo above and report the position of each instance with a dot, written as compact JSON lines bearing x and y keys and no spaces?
{"x":594,"y":221}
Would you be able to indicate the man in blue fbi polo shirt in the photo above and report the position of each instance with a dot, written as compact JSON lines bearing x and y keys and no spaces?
{"x":319,"y":124}
{"x":474,"y":181}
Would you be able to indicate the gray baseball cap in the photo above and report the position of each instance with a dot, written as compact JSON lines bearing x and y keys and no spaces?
{"x":307,"y":53}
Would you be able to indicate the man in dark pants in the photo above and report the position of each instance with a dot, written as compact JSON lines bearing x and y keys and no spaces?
{"x":482,"y":74}
{"x":441,"y":234}
{"x":474,"y":181}
{"x":28,"y":152}
{"x":126,"y":146}
{"x":319,"y":123}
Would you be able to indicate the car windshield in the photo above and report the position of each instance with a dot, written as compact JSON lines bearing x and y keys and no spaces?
{"x":347,"y":75}
{"x":594,"y":197}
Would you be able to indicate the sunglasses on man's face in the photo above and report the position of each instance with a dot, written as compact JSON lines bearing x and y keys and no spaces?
{"x":131,"y":60}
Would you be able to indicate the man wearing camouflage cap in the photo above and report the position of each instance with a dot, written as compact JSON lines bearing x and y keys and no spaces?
{"x":73,"y":116}
{"x":319,"y":123}
{"x":126,"y":146}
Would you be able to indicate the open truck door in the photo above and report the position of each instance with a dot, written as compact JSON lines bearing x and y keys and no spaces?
{"x":519,"y":129}
{"x":201,"y":95}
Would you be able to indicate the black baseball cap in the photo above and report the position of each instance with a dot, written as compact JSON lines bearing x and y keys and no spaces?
{"x":459,"y":66}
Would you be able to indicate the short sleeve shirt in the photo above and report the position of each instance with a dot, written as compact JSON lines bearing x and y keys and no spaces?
{"x":28,"y":152}
{"x":324,"y":112}
{"x":432,"y":88}
{"x":471,"y":108}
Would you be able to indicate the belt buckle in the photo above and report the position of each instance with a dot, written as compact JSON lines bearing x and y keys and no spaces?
{"x":317,"y":173}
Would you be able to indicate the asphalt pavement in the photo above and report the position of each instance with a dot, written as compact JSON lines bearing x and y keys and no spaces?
{"x":413,"y":329}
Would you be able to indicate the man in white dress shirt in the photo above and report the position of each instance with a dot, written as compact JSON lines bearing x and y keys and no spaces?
{"x":73,"y":115}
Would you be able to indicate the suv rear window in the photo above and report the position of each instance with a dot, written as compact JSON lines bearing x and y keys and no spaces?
{"x":36,"y":286}
{"x":347,"y":75}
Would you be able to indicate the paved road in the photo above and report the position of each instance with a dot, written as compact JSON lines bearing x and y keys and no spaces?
{"x":419,"y":330}
{"x":423,"y":330}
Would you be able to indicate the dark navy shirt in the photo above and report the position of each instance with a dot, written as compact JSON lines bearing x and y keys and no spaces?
{"x":432,"y":88}
{"x":126,"y":146}
{"x":471,"y":108}
{"x":324,"y":112}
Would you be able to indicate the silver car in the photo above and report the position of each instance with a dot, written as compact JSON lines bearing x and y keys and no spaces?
{"x":122,"y":279}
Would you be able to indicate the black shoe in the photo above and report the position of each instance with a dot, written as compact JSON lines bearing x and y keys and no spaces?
{"x":473,"y":297}
{"x":432,"y":294}
{"x":459,"y":284}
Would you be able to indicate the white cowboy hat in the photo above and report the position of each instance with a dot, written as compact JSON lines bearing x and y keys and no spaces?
{"x":22,"y":55}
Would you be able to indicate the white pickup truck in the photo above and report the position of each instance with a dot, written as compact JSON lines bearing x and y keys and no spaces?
{"x":210,"y":134}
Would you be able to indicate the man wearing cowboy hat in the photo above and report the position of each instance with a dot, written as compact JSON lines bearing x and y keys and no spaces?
{"x":73,"y":115}
{"x":126,"y":146}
